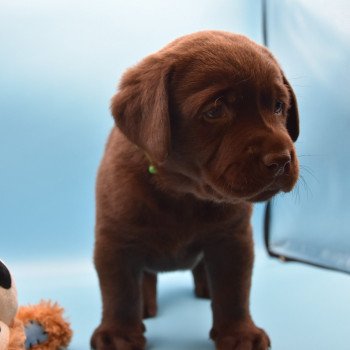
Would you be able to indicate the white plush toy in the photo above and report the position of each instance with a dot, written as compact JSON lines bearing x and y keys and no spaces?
{"x":4,"y":336}
{"x":8,"y":306}
{"x":37,"y":327}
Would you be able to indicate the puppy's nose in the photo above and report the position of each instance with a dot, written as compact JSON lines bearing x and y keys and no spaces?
{"x":277,"y":163}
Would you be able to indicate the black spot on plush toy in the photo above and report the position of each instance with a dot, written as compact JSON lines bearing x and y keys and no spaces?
{"x":37,"y":327}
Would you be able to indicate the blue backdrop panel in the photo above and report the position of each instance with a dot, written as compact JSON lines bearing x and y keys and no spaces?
{"x":60,"y":63}
{"x":311,"y":40}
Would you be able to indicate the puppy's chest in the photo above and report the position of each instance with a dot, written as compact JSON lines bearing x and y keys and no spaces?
{"x":166,"y":253}
{"x":177,"y":241}
{"x":176,"y":232}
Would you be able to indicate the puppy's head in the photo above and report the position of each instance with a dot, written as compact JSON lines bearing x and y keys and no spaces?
{"x":216,"y":114}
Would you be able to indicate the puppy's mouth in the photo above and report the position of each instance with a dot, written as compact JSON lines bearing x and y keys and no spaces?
{"x":250,"y":191}
{"x":264,"y":195}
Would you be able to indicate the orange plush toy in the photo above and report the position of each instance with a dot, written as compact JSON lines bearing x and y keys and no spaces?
{"x":37,"y":327}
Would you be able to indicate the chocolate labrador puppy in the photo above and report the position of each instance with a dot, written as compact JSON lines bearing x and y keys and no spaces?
{"x":204,"y":128}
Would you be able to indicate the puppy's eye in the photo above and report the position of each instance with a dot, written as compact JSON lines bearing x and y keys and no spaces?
{"x":214,"y":113}
{"x":278,"y":107}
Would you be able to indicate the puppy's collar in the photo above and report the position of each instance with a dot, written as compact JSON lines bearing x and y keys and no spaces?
{"x":151,"y":168}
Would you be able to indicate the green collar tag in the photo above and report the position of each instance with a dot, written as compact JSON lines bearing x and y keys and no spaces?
{"x":152,"y":169}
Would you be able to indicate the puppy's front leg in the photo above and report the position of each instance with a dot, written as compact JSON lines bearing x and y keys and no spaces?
{"x":120,"y":281}
{"x":229,"y":264}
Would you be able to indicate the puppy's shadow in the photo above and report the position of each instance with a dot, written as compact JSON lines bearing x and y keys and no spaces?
{"x":183,"y":322}
{"x":167,"y":343}
{"x":174,"y":298}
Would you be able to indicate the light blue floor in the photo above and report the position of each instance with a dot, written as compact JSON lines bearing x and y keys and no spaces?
{"x":301,"y":307}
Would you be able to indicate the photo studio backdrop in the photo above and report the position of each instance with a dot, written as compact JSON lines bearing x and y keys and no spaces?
{"x":60,"y":62}
{"x":311,"y":39}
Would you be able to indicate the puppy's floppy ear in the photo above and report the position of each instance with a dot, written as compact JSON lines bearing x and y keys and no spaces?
{"x":141,"y":107}
{"x":293,"y":113}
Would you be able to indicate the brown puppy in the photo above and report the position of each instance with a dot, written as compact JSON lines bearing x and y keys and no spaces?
{"x":215,"y":117}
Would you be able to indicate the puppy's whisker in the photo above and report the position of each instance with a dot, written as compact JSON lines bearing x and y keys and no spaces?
{"x":309,"y":171}
{"x":305,"y":185}
{"x":296,"y":193}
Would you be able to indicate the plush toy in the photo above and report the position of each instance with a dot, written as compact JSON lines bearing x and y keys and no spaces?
{"x":37,"y":327}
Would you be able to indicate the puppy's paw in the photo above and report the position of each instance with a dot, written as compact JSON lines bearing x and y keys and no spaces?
{"x":247,"y":337}
{"x":109,"y":338}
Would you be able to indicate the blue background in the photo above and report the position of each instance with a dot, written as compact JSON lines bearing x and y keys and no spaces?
{"x":312,"y":43}
{"x":60,"y":63}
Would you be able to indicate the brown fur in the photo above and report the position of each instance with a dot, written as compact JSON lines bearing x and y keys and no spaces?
{"x":194,"y":213}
